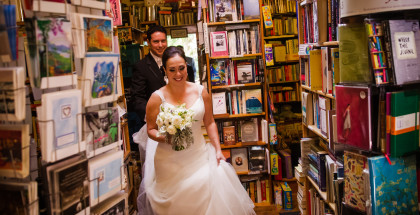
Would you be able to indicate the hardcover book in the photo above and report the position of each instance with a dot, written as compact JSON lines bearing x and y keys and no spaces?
{"x":223,"y":10}
{"x":245,"y":71}
{"x":403,"y":38}
{"x":315,"y":69}
{"x":218,"y":71}
{"x":404,"y":121}
{"x":219,"y":103}
{"x":354,"y":180}
{"x":286,"y":164}
{"x":353,"y":109}
{"x":60,"y":125}
{"x":240,"y":159}
{"x":249,"y":130}
{"x":12,"y":100}
{"x":106,"y":176}
{"x":101,"y":131}
{"x":256,"y":158}
{"x":393,"y":186}
{"x":253,"y":101}
{"x":268,"y":21}
{"x":14,"y":159}
{"x":99,"y":83}
{"x":229,"y":135}
{"x":219,"y":44}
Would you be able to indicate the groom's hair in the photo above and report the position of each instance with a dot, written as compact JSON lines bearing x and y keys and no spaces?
{"x":171,"y":52}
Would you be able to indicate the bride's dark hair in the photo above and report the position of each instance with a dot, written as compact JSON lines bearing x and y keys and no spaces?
{"x":170,"y":52}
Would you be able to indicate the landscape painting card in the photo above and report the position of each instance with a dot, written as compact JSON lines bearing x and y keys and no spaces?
{"x":99,"y":78}
{"x":51,"y":6}
{"x":101,"y":131}
{"x":12,"y":93}
{"x":95,"y":34}
{"x":71,"y":193}
{"x":60,"y":125}
{"x":19,"y":197}
{"x":224,"y":11}
{"x":54,"y":48}
{"x":105,"y":176}
{"x":14,"y":151}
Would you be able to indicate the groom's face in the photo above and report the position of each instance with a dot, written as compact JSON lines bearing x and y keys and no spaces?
{"x":158,"y":43}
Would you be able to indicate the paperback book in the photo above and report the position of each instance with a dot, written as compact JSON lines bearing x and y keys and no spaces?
{"x":12,"y":100}
{"x":219,"y":44}
{"x":249,"y":130}
{"x":223,"y":10}
{"x":253,"y":101}
{"x":354,"y":180}
{"x":240,"y":159}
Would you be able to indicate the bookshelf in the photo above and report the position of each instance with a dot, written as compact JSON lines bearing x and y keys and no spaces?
{"x":228,"y":74}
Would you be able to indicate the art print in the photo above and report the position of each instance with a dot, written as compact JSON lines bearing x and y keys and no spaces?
{"x":7,"y":101}
{"x":14,"y":151}
{"x":98,"y":34}
{"x":104,"y":79}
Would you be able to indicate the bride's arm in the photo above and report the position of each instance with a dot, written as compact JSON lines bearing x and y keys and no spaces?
{"x":152,"y":110}
{"x":211,"y":126}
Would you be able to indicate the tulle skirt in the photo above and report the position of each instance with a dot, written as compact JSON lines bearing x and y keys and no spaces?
{"x":192,"y":183}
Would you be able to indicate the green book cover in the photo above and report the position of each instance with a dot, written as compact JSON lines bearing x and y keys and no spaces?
{"x":404,"y":122}
{"x":354,"y":54}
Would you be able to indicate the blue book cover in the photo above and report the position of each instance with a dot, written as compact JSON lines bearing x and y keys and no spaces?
{"x":218,"y":72}
{"x":393,"y":187}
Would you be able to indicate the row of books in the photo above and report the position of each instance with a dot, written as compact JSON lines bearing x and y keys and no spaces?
{"x":237,"y":102}
{"x":280,"y":6}
{"x":251,"y":159}
{"x":319,"y":21}
{"x":283,"y":26}
{"x":232,"y":10}
{"x":282,"y":195}
{"x":177,"y":18}
{"x":230,"y":72}
{"x":278,"y":52}
{"x":283,"y":73}
{"x":315,"y":111}
{"x":258,"y":189}
{"x":284,"y":96}
{"x":240,"y":131}
{"x":235,"y":42}
{"x":281,"y":164}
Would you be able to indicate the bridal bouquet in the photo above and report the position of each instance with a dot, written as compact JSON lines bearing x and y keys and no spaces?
{"x":175,"y":123}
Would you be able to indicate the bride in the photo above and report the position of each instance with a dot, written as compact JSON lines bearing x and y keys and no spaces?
{"x":196,"y":180}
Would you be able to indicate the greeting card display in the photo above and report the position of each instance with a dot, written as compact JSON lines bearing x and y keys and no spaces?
{"x":14,"y":159}
{"x":101,"y":131}
{"x":105,"y":176}
{"x":99,"y":78}
{"x":12,"y":94}
{"x":60,"y":125}
{"x":93,"y":33}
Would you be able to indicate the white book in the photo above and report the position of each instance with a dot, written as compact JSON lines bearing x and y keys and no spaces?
{"x":99,"y":83}
{"x":12,"y":97}
{"x":264,"y":130}
{"x":219,"y":103}
{"x":106,"y":176}
{"x":60,"y":125}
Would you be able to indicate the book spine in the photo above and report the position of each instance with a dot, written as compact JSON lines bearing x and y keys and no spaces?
{"x":388,"y":51}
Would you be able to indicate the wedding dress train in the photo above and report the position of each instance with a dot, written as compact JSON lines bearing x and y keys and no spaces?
{"x":190,"y":181}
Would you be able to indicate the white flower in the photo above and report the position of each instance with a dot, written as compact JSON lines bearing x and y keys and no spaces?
{"x":176,"y":121}
{"x":188,"y":124}
{"x":167,"y":119}
{"x":159,"y":121}
{"x":171,"y":129}
{"x":162,"y":130}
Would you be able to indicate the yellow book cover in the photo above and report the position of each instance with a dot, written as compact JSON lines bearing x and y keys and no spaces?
{"x":315,"y":69}
{"x":279,"y":53}
{"x":269,"y":60}
{"x":252,"y":190}
{"x":268,"y":21}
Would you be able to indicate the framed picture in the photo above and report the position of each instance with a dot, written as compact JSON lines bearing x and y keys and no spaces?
{"x":179,"y":33}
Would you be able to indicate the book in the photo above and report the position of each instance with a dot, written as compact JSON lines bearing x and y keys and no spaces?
{"x":229,"y":135}
{"x":227,"y":154}
{"x":14,"y":158}
{"x":60,"y":125}
{"x":101,"y":131}
{"x":268,"y":21}
{"x":251,"y":9}
{"x":403,"y":44}
{"x":69,"y":187}
{"x":256,"y":158}
{"x":240,"y":159}
{"x":12,"y":100}
{"x":287,"y":196}
{"x":353,"y":109}
{"x":404,"y":121}
{"x":354,"y":58}
{"x":315,"y":69}
{"x":274,"y":162}
{"x":218,"y":71}
{"x":99,"y":82}
{"x":219,"y":44}
{"x":245,"y":71}
{"x":325,"y":68}
{"x":286,"y":164}
{"x":249,"y":130}
{"x":307,"y":110}
{"x":393,"y":184}
{"x":253,"y":101}
{"x":106,"y":176}
{"x":273,"y":134}
{"x":223,"y":10}
{"x":354,"y":180}
{"x":269,"y":58}
{"x":5,"y":52}
{"x":335,"y":67}
{"x":219,"y":103}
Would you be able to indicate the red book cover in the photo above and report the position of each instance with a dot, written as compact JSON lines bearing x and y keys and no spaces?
{"x":263,"y":191}
{"x":219,"y":44}
{"x":353,"y":116}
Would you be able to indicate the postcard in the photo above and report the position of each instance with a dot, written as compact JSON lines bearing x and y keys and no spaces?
{"x":105,"y":174}
{"x":101,"y":131}
{"x":99,"y":78}
{"x":12,"y":94}
{"x":14,"y":153}
{"x":60,"y":125}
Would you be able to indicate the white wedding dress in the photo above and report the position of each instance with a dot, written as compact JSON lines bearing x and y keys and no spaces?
{"x":190,"y":181}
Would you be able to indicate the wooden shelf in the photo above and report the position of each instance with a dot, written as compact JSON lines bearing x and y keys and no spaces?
{"x":243,"y":56}
{"x":240,"y":144}
{"x":284,"y":14}
{"x":176,"y":26}
{"x":232,"y":22}
{"x":280,"y":37}
{"x":318,"y":92}
{"x":289,"y":180}
{"x":317,"y":131}
{"x":283,"y":82}
{"x":256,"y":84}
{"x":322,"y":194}
{"x":234,"y":116}
{"x":252,"y":172}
